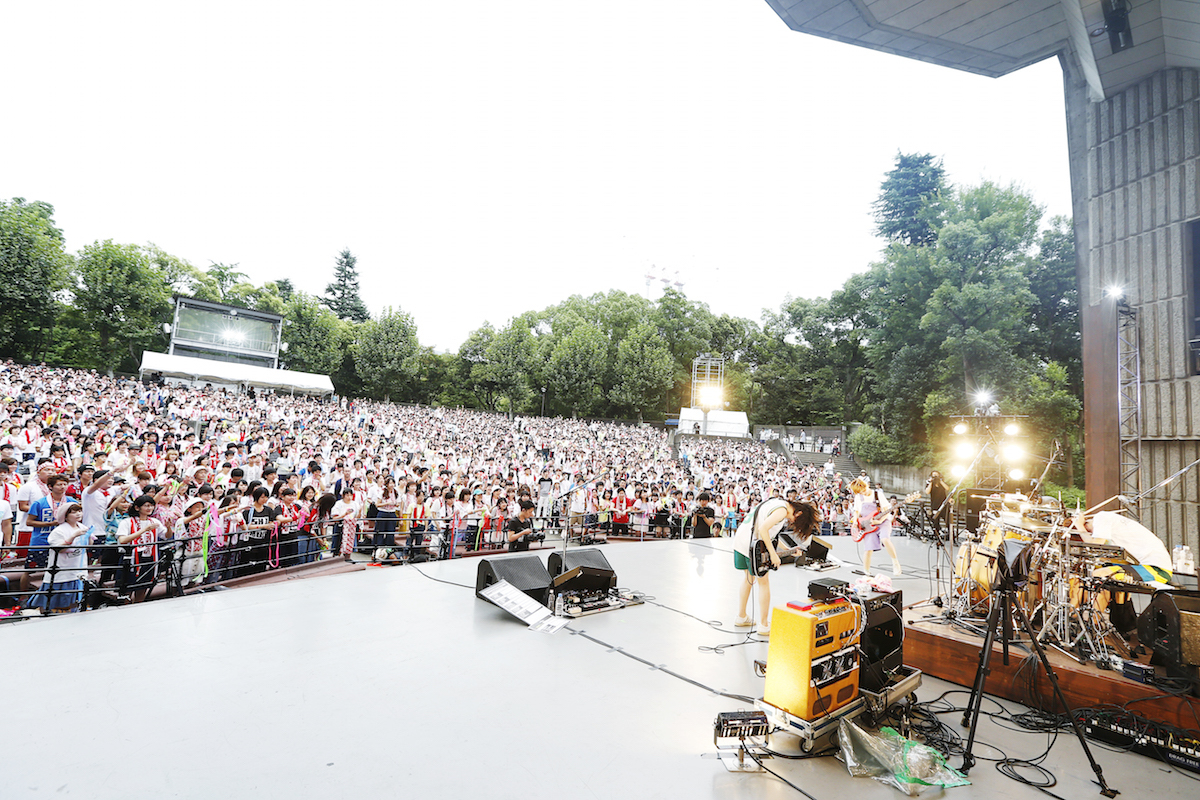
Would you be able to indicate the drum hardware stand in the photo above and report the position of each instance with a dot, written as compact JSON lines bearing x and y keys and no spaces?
{"x":1005,"y":605}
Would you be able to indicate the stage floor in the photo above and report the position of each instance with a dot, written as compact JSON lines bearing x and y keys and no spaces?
{"x":389,"y":683}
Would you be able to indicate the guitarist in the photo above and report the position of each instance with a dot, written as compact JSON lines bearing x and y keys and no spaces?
{"x":761,"y":524}
{"x":871,"y":523}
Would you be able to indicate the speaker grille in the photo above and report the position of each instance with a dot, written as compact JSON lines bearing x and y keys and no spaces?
{"x":526,"y":573}
{"x":586,"y":557}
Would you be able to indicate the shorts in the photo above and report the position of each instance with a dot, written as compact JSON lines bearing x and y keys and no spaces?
{"x":741,"y":561}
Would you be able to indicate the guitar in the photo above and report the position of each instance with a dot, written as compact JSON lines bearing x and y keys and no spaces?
{"x":760,"y":557}
{"x":868,"y":512}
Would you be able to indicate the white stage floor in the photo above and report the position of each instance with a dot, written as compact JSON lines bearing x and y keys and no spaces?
{"x":386,"y":683}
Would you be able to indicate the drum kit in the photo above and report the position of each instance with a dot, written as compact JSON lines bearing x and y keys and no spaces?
{"x":1063,"y":583}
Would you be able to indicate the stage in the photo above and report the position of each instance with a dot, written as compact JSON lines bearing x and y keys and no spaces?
{"x":387,"y":682}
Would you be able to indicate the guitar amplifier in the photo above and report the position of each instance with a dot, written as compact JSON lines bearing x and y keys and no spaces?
{"x":812,"y":659}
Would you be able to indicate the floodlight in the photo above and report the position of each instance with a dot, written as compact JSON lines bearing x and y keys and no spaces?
{"x":960,"y":428}
{"x":1011,"y":429}
{"x":1114,"y":290}
{"x":982,"y":397}
{"x":964,"y":449}
{"x":283,"y":346}
{"x":958,"y":470}
{"x":1013,"y":452}
{"x":1016,"y":475}
{"x":711,"y":396}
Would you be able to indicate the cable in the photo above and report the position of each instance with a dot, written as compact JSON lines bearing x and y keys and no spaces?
{"x":758,"y":761}
{"x":439,"y":580}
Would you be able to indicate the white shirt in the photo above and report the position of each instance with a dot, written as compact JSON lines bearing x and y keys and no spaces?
{"x":32,"y":492}
{"x":71,"y":561}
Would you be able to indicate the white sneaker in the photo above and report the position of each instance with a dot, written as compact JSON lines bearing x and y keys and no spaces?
{"x":896,"y":569}
{"x":743,"y":622}
{"x":763,"y":630}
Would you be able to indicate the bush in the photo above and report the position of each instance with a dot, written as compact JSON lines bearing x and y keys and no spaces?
{"x":871,"y":444}
{"x":1071,"y":497}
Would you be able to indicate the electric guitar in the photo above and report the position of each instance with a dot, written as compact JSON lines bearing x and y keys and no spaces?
{"x":868,"y":512}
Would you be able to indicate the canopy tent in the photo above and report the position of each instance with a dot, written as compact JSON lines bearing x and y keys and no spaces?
{"x":720,"y":423}
{"x":226,"y":372}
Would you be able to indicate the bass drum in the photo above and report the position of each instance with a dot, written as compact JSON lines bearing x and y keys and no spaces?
{"x":974,"y":571}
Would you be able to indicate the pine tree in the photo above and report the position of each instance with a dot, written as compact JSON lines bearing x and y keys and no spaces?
{"x":341,"y":295}
{"x":910,"y":208}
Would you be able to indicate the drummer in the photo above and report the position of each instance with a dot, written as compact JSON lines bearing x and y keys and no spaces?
{"x":881,"y":538}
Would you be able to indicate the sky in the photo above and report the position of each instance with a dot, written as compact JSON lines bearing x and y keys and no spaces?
{"x":485,"y":158}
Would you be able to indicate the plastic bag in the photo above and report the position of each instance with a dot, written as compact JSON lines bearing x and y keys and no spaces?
{"x":888,"y":757}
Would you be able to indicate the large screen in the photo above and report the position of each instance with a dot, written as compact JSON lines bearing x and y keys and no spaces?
{"x":220,"y":329}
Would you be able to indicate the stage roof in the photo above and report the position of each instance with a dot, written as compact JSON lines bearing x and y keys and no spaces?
{"x":994,"y":38}
{"x":204,"y":369}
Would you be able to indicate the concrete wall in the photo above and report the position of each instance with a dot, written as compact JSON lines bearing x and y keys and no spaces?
{"x":1137,"y":183}
{"x":897,"y":479}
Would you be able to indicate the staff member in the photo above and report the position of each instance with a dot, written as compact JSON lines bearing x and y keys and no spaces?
{"x":939,"y":509}
{"x":702,"y":517}
{"x":520,"y":528}
{"x":768,"y":520}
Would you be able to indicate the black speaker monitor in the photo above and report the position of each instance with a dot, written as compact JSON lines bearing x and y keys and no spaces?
{"x":526,"y":573}
{"x":561,"y":562}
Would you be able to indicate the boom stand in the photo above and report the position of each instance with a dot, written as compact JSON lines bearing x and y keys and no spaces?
{"x":1004,"y":603}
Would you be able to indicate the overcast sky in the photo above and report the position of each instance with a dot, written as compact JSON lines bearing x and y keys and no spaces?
{"x":484,"y":158}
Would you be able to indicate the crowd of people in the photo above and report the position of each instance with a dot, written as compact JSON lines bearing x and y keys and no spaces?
{"x":115,"y":480}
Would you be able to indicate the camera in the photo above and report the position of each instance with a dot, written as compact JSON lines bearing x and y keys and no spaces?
{"x":536,"y":537}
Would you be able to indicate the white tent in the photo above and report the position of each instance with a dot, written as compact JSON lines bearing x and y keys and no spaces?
{"x":720,"y":423}
{"x":225,"y":372}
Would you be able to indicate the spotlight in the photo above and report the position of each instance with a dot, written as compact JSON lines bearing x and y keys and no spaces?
{"x":711,"y":397}
{"x":958,"y":470}
{"x":964,"y":449}
{"x":982,"y":397}
{"x":1016,"y":475}
{"x":1011,"y":429}
{"x":1114,"y":290}
{"x":1013,"y":452}
{"x":960,"y":428}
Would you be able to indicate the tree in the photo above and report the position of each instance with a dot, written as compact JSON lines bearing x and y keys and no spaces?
{"x":476,"y":368}
{"x":283,"y":287}
{"x":313,"y":336}
{"x":384,"y":353}
{"x":643,"y":368}
{"x":909,"y":208}
{"x":576,"y":368}
{"x":225,"y":276}
{"x":124,"y":297}
{"x":33,"y":268}
{"x":342,"y":295}
{"x":981,"y":301}
{"x":511,"y":356}
{"x":1055,"y":333}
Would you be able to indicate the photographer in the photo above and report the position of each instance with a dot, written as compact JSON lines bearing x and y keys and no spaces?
{"x":702,"y":517}
{"x":520,"y":529}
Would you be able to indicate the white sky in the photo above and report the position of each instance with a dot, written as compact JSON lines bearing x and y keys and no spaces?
{"x":483,"y":158}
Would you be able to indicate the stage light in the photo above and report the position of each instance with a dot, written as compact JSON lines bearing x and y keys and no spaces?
{"x":960,"y":428}
{"x":1016,"y":475}
{"x":1011,"y":429}
{"x":964,"y":449}
{"x":982,"y":397}
{"x":1013,"y":452}
{"x":232,"y":335}
{"x":1114,"y":290}
{"x":958,"y":470}
{"x":711,"y":397}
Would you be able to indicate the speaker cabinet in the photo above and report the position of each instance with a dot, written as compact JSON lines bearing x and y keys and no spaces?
{"x":561,"y":562}
{"x":812,"y":660}
{"x":1170,"y":627}
{"x":526,"y":573}
{"x":882,"y":642}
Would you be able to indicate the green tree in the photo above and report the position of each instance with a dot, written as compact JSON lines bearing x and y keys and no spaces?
{"x":643,"y":369}
{"x":511,"y":355}
{"x":476,"y":367}
{"x":981,"y":302}
{"x":33,"y":268}
{"x":909,"y":208}
{"x":384,"y":353}
{"x":313,"y":335}
{"x":1055,"y":333}
{"x":225,"y":276}
{"x":124,"y":297}
{"x":576,"y":369}
{"x":342,"y":294}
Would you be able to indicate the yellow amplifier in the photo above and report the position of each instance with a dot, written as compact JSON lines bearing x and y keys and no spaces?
{"x":812,"y":660}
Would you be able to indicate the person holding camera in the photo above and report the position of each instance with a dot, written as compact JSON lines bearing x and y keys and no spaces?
{"x":520,"y":529}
